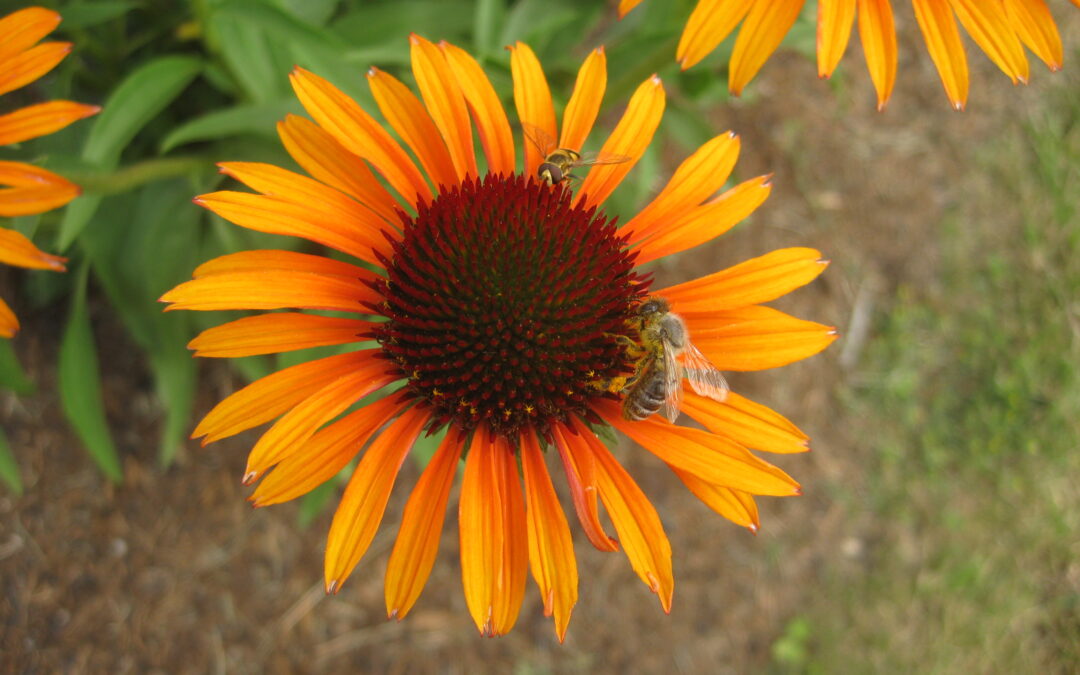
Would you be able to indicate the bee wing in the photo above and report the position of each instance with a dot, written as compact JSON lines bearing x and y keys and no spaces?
{"x":672,"y":384}
{"x":540,"y":139}
{"x":591,"y":158}
{"x":703,"y":375}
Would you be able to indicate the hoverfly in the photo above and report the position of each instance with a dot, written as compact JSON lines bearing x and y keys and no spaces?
{"x":559,"y":162}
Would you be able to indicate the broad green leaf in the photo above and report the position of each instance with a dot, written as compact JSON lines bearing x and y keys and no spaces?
{"x":246,"y":119}
{"x":9,"y":468}
{"x":175,"y":379}
{"x":12,"y":375}
{"x":315,"y":502}
{"x":316,"y":12}
{"x":388,"y":24}
{"x":537,"y":21}
{"x":487,"y":17}
{"x":87,"y":14}
{"x":247,"y":52}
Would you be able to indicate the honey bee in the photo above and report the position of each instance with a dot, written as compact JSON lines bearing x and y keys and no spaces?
{"x":657,"y":380}
{"x":559,"y":162}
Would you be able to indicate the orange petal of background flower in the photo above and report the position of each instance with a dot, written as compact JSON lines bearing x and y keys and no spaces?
{"x":833,"y":32}
{"x":16,"y":249}
{"x":752,"y":282}
{"x":878,"y":35}
{"x":532,"y":98}
{"x":735,"y":505}
{"x":487,"y":110}
{"x":579,"y":465}
{"x":41,"y":119}
{"x":328,"y":161}
{"x":326,"y":453}
{"x":33,"y":190}
{"x":22,"y":69}
{"x":987,"y":24}
{"x":417,"y":542}
{"x":270,"y":396}
{"x":762,"y":32}
{"x":626,"y":5}
{"x":1032,"y":21}
{"x":445,"y":101}
{"x":698,"y":177}
{"x":272,"y":289}
{"x":710,"y":457}
{"x":491,"y":525}
{"x":631,"y":137}
{"x":706,"y":222}
{"x":9,"y":324}
{"x":745,"y":422}
{"x":756,"y":338}
{"x":269,"y":259}
{"x":359,"y":133}
{"x":943,"y":41}
{"x":708,"y":25}
{"x":584,"y":104}
{"x":364,"y":502}
{"x":274,"y":333}
{"x":21,"y":29}
{"x":551,"y":549}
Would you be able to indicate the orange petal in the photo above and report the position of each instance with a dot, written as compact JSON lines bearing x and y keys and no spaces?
{"x":878,"y":35}
{"x":491,"y":524}
{"x":23,"y":68}
{"x":270,"y":396}
{"x":551,"y":549}
{"x":326,"y":453}
{"x":359,"y":133}
{"x":745,"y":422}
{"x":630,"y":138}
{"x":626,"y":5}
{"x":21,"y":29}
{"x":9,"y":324}
{"x":943,"y":41}
{"x":279,"y":216}
{"x":532,"y":98}
{"x":580,"y":470}
{"x":712,"y":458}
{"x":41,"y":119}
{"x":756,"y":338}
{"x":706,"y":222}
{"x":735,"y":505}
{"x":584,"y":104}
{"x":697,"y":178}
{"x":444,"y":100}
{"x":637,"y":524}
{"x":417,"y":542}
{"x":272,"y":289}
{"x":410,"y":119}
{"x":275,"y":333}
{"x":364,"y":502}
{"x":32,"y":190}
{"x":708,"y":25}
{"x":764,"y":30}
{"x":987,"y":24}
{"x":752,"y":282}
{"x":833,"y":32}
{"x":1032,"y":21}
{"x":487,"y":110}
{"x":269,"y":259}
{"x":16,"y":249}
{"x":327,"y":160}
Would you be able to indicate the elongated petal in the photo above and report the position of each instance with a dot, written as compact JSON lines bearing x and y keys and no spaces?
{"x":735,"y":505}
{"x":275,"y":333}
{"x":551,"y":549}
{"x":326,"y":453}
{"x":23,"y":68}
{"x":584,"y":104}
{"x":745,"y":422}
{"x":32,"y":190}
{"x":16,"y":249}
{"x":270,"y":396}
{"x":710,"y":457}
{"x":988,"y":25}
{"x":706,"y":222}
{"x":833,"y":32}
{"x":708,"y":25}
{"x":9,"y":324}
{"x":444,"y":100}
{"x":23,"y":28}
{"x":362,"y":506}
{"x":487,"y":110}
{"x":327,"y":160}
{"x":764,"y":29}
{"x":1032,"y":21}
{"x":752,"y":282}
{"x":41,"y":119}
{"x":270,"y":259}
{"x":272,"y":289}
{"x":579,"y":465}
{"x":359,"y":133}
{"x":631,"y":137}
{"x":417,"y":542}
{"x":942,"y":37}
{"x":878,"y":34}
{"x":756,"y":338}
{"x":532,"y":98}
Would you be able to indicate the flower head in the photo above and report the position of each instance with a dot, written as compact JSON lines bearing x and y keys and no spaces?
{"x":497,"y":307}
{"x":1001,"y":29}
{"x":25,"y":189}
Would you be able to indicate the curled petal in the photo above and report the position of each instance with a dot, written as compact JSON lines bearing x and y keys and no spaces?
{"x":580,"y":470}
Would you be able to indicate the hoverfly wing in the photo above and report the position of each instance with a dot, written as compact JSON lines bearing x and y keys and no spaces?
{"x":540,"y":139}
{"x":703,"y":375}
{"x":672,"y":387}
{"x":593,"y":158}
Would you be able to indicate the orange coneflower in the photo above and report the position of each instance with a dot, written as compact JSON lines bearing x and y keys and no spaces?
{"x":26,"y":188}
{"x":497,"y":307}
{"x":1001,"y":28}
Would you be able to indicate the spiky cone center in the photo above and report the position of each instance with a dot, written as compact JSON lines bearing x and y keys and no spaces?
{"x":504,"y":302}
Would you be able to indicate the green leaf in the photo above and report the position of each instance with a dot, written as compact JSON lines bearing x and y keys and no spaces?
{"x":248,"y":53}
{"x":489,"y":15}
{"x":315,"y":502}
{"x":175,"y":380}
{"x":87,"y":14}
{"x":316,"y":12}
{"x":80,"y":385}
{"x":9,"y":468}
{"x":12,"y":375}
{"x":246,"y":119}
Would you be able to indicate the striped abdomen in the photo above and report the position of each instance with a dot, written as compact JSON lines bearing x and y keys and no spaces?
{"x":647,"y":393}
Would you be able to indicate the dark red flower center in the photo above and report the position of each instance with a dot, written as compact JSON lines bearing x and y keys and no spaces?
{"x":504,"y":300}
